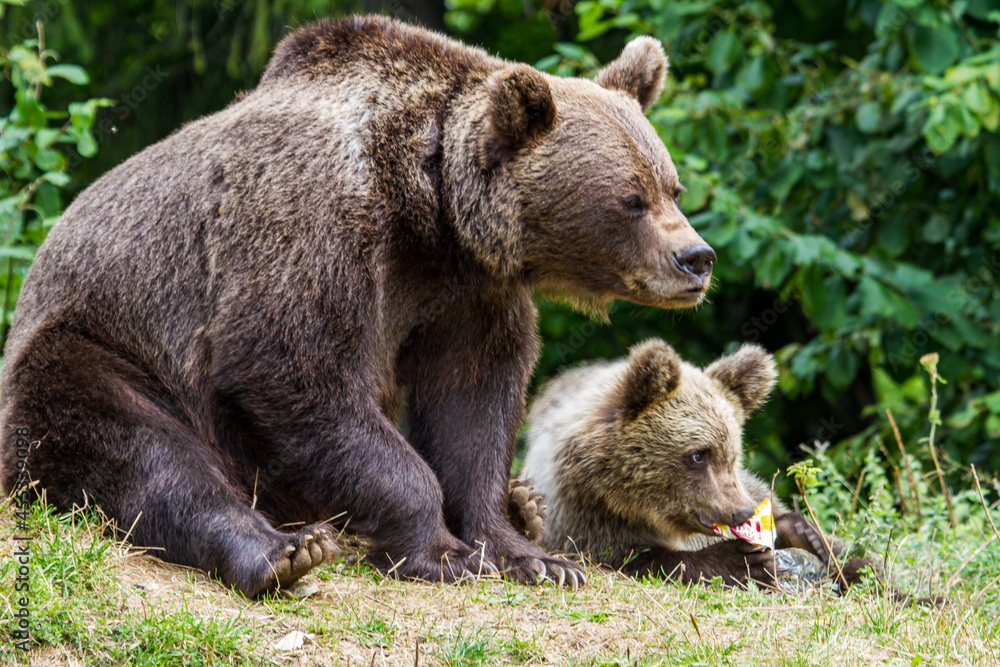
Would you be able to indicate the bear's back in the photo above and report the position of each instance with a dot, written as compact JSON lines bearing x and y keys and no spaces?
{"x":232,"y":198}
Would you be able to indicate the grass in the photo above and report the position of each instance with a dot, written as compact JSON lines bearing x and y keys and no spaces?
{"x":96,"y":602}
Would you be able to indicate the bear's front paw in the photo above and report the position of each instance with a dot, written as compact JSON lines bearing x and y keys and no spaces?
{"x":525,"y":563}
{"x":536,"y":570}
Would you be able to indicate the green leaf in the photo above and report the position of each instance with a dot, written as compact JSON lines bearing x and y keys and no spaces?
{"x":574,"y":52}
{"x":753,"y":75}
{"x":86,"y":145}
{"x":981,"y":102}
{"x":942,"y":128}
{"x":880,"y":301}
{"x":724,"y":51}
{"x":936,"y":228}
{"x":841,"y":367}
{"x":548,"y":62}
{"x":18,"y":252}
{"x":773,"y":266}
{"x":808,"y":248}
{"x":887,"y":392}
{"x":868,"y":117}
{"x":47,"y":160}
{"x":45,"y":137}
{"x":72,"y":73}
{"x":595,"y":30}
{"x":934,"y":48}
{"x":57,"y":178}
{"x":29,"y":111}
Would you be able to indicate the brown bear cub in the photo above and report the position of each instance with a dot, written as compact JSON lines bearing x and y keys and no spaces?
{"x":637,"y":459}
{"x":223,"y":335}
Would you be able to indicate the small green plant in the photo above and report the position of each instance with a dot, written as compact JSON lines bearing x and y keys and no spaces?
{"x":373,"y":631}
{"x":467,"y":648}
{"x":893,"y":513}
{"x":38,"y":148}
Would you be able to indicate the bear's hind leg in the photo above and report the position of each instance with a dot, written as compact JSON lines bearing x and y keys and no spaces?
{"x":99,"y":436}
{"x":207,"y":525}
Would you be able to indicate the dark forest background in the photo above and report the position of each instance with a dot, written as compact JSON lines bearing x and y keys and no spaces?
{"x":841,"y":156}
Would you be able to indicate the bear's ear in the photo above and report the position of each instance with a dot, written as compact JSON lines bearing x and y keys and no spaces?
{"x":639,"y":71}
{"x":520,"y":110}
{"x":654,"y":371}
{"x":749,"y":373}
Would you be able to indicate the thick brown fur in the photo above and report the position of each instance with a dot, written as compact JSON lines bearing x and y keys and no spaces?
{"x":223,"y":334}
{"x":637,"y":459}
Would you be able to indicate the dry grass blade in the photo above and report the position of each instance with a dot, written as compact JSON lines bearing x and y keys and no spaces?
{"x":982,"y":498}
{"x":909,"y":471}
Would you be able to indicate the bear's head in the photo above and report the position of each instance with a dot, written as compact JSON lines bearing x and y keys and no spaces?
{"x":584,"y":193}
{"x":679,"y":432}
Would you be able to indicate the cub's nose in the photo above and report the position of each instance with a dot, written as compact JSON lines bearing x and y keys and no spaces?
{"x":696,"y":260}
{"x":740,"y":517}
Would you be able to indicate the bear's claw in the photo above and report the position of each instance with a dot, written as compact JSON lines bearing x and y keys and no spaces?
{"x":533,"y":570}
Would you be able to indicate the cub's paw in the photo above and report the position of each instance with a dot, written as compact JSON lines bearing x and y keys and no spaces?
{"x":300,"y":552}
{"x":735,"y":561}
{"x":525,"y":510}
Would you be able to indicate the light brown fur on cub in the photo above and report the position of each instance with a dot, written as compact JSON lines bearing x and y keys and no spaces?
{"x":636,"y":459}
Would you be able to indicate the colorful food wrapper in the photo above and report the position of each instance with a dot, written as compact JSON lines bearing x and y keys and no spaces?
{"x":758,"y":529}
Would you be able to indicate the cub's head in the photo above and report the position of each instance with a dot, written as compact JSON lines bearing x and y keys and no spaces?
{"x":595,"y":211}
{"x":681,"y":435}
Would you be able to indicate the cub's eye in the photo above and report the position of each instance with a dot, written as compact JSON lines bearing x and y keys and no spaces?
{"x":634,"y":204}
{"x":699,"y":459}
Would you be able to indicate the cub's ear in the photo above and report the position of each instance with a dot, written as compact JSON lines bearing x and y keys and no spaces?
{"x":639,"y":71}
{"x":654,"y":371}
{"x":749,"y":373}
{"x":521,"y":109}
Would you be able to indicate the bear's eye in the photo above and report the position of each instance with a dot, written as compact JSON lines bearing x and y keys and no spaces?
{"x":699,"y":459}
{"x":634,"y":204}
{"x":678,"y":191}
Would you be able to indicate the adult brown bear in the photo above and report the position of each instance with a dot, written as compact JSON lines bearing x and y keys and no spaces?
{"x":223,"y":334}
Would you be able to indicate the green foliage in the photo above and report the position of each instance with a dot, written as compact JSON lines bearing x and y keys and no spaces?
{"x":895,"y":516}
{"x":38,"y":149}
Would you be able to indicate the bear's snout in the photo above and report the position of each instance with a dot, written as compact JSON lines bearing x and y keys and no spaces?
{"x":696,"y":260}
{"x":741,"y":516}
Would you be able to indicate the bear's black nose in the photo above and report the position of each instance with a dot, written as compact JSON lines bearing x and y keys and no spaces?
{"x":742,"y":516}
{"x":696,"y":260}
